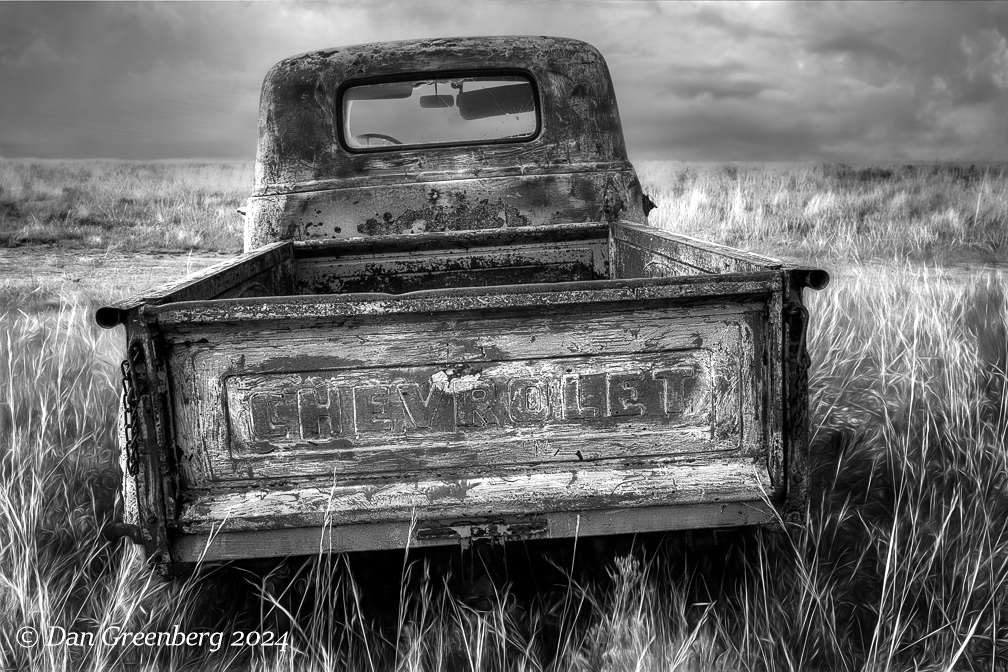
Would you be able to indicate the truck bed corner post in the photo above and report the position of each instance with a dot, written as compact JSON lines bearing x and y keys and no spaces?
{"x":796,"y":407}
{"x":152,"y":469}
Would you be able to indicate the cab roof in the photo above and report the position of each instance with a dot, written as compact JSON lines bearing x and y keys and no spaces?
{"x":299,"y":147}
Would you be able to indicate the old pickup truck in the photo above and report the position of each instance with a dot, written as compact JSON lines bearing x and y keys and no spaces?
{"x":453,"y":322}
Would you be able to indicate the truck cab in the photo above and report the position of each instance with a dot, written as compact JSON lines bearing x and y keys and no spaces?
{"x":435,"y":136}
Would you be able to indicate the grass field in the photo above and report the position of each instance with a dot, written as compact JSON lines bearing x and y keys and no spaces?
{"x":901,"y":564}
{"x":940,"y":214}
{"x":123,"y":206}
{"x":937,"y":213}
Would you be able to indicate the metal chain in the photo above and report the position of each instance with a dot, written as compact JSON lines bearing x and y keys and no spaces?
{"x":131,"y":421}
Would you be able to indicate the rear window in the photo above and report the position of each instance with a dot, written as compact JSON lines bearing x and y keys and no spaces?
{"x":440,"y":111}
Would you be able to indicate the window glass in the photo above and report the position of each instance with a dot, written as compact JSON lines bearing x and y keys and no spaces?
{"x":439,"y":111}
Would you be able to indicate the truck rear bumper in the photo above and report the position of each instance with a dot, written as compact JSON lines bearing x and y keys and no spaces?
{"x":720,"y":493}
{"x":393,"y":535}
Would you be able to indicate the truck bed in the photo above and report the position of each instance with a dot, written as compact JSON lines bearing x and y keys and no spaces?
{"x":414,"y":390}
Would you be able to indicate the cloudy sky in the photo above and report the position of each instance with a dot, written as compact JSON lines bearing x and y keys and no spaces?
{"x":695,"y":81}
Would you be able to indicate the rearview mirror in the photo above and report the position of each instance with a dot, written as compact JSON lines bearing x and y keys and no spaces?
{"x":443,"y":100}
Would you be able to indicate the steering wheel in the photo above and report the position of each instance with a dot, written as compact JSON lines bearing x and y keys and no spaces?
{"x":386,"y":139}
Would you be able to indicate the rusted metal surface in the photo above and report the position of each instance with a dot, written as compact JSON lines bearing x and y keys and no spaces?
{"x":155,"y":481}
{"x":310,"y":185}
{"x":796,"y":402}
{"x":398,"y":264}
{"x":433,"y":345}
{"x":308,"y":308}
{"x":454,"y":205}
{"x":298,"y":137}
{"x":645,"y":252}
{"x":246,"y":275}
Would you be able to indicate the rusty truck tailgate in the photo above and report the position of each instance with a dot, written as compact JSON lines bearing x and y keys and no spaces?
{"x":373,"y":421}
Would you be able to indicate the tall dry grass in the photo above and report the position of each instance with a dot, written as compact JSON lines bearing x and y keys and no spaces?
{"x":902,"y":563}
{"x":58,"y":483}
{"x":936,"y":213}
{"x":124,"y":206}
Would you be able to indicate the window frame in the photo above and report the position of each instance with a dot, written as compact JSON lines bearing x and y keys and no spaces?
{"x":440,"y":74}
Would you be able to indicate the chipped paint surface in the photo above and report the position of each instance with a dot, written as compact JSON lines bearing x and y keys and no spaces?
{"x":514,"y":414}
{"x":465,"y":204}
{"x":450,"y":382}
{"x":543,"y":492}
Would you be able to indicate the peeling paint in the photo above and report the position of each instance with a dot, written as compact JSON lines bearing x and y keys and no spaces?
{"x":453,"y":490}
{"x":455,"y":383}
{"x":459,"y":215}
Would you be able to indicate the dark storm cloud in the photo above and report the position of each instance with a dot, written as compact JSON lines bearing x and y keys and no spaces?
{"x":839,"y":81}
{"x":714,"y":81}
{"x":132,"y":81}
